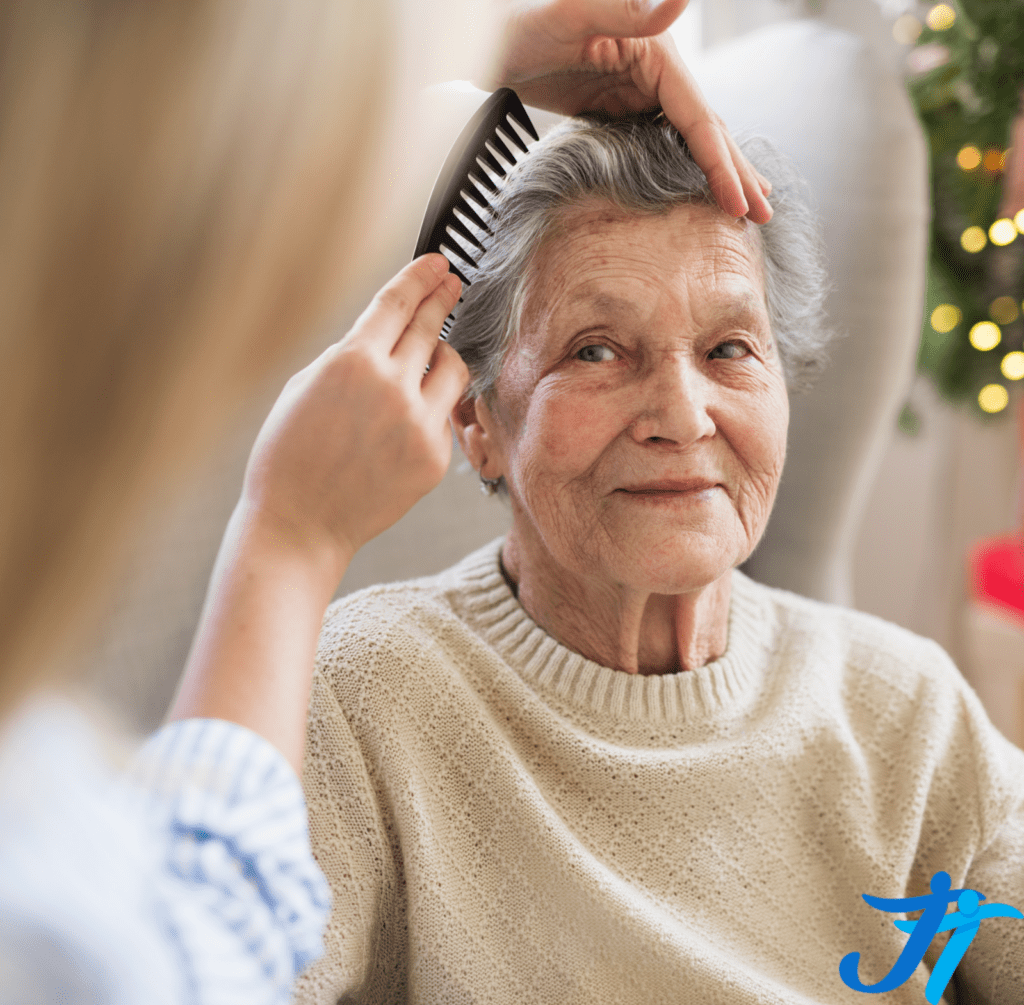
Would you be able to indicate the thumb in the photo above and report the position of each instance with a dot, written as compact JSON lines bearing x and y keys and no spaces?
{"x":622,"y":18}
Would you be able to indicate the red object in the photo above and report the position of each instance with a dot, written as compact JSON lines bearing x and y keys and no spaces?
{"x":997,"y":573}
{"x":1013,"y":179}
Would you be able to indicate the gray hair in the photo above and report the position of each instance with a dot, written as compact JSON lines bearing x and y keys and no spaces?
{"x":642,"y":167}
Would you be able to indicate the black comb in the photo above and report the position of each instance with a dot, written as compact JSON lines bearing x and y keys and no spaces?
{"x":466,"y":184}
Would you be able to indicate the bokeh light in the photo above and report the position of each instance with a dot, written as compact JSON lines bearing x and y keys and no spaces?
{"x":940,"y":17}
{"x":993,"y":160}
{"x":1002,"y":232}
{"x":993,"y":398}
{"x":925,"y":58}
{"x":946,"y":317}
{"x":1003,"y":158}
{"x":973,"y":239}
{"x":1003,"y":310}
{"x":906,"y":29}
{"x":985,"y":335}
{"x":1018,"y":220}
{"x":969,"y":157}
{"x":1013,"y":365}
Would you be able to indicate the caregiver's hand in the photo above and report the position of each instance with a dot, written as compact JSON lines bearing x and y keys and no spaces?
{"x":360,"y":435}
{"x":616,"y":56}
{"x":354,"y":440}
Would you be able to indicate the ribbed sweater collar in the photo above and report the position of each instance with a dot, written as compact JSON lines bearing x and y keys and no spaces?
{"x":490,"y":608}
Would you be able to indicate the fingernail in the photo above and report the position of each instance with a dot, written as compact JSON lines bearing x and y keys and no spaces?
{"x":453,"y":283}
{"x":438,"y":262}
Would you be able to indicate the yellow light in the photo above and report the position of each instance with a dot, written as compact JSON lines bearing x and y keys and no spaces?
{"x":993,"y":159}
{"x":993,"y":398}
{"x":1003,"y":310}
{"x":906,"y":29}
{"x":1013,"y":365}
{"x":940,"y":17}
{"x":973,"y":239}
{"x":1003,"y":158}
{"x":985,"y":335}
{"x":945,"y":318}
{"x":968,"y":158}
{"x":1002,"y":231}
{"x":1018,"y":220}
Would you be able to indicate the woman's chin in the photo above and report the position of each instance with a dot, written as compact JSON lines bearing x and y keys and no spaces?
{"x":671,"y":551}
{"x":685,"y":562}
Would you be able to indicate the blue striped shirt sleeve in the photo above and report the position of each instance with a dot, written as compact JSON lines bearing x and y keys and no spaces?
{"x":245,"y":901}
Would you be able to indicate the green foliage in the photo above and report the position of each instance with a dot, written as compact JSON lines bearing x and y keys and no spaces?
{"x":971,"y":98}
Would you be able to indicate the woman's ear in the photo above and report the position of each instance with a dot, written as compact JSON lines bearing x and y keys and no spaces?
{"x":475,"y":430}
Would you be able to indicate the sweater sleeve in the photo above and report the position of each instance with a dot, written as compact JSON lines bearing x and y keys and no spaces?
{"x":992,"y":970}
{"x":239,"y":888}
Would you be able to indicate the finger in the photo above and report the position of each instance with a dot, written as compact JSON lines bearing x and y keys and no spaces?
{"x":684,"y":105}
{"x":420,"y":338}
{"x":385,"y":320}
{"x":448,"y":378}
{"x":639,"y":19}
{"x":736,"y":186}
{"x":709,"y":148}
{"x":760,"y":210}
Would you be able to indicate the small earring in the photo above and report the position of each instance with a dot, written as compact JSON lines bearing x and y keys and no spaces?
{"x":488,"y":486}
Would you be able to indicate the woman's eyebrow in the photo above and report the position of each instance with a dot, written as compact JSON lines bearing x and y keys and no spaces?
{"x":740,"y":308}
{"x":609,"y":302}
{"x":737,"y":309}
{"x":738,"y":314}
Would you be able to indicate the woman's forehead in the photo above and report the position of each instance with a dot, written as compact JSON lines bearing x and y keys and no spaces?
{"x":599,"y":255}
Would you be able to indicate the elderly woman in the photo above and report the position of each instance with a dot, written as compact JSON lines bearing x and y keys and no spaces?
{"x":594,"y":762}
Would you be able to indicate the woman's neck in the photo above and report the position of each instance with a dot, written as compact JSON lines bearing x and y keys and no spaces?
{"x":617,"y":626}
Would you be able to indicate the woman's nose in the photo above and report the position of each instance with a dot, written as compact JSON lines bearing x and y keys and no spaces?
{"x":674,"y":403}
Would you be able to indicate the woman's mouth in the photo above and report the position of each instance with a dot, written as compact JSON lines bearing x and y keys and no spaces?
{"x":672,"y":487}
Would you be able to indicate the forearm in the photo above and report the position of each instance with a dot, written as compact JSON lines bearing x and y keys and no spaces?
{"x":353,"y":441}
{"x":252,"y":658}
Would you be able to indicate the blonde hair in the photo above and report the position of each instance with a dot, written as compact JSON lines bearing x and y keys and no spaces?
{"x":178,"y":184}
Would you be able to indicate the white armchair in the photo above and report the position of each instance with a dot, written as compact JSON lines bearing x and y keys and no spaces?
{"x":833,"y":102}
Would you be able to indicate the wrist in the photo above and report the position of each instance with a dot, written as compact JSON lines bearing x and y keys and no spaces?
{"x":314,"y":561}
{"x":254,"y":651}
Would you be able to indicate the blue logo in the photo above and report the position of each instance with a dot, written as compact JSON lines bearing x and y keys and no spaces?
{"x":963,"y":923}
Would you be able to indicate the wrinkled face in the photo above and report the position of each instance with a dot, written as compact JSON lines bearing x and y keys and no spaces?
{"x":642,"y":410}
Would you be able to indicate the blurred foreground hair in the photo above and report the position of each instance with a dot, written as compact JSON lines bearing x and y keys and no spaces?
{"x":178,"y":184}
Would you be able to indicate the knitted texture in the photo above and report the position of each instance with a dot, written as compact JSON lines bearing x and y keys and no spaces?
{"x":502,"y":820}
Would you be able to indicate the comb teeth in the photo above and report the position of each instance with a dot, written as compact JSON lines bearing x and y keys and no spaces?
{"x":456,"y":226}
{"x":482,"y":179}
{"x":512,"y":136}
{"x":473,"y":173}
{"x":467,"y":211}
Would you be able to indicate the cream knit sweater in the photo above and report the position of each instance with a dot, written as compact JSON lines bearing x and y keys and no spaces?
{"x":502,"y":820}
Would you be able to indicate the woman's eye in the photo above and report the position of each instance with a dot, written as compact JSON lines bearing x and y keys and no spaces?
{"x":728,"y":350}
{"x":595,"y":354}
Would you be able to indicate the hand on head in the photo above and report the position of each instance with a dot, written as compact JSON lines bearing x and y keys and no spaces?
{"x":573,"y":56}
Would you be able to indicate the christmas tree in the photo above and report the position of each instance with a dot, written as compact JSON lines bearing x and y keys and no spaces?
{"x":966,"y":74}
